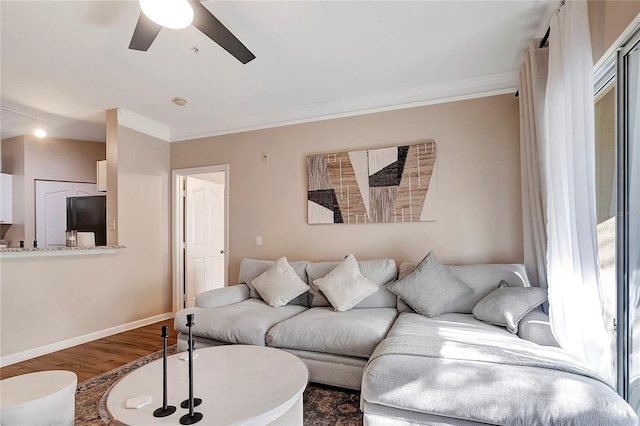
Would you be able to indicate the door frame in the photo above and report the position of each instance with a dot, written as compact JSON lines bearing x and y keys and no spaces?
{"x":624,"y":343}
{"x":177,"y":182}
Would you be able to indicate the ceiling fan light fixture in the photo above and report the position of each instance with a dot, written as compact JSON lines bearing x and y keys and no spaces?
{"x":174,"y":14}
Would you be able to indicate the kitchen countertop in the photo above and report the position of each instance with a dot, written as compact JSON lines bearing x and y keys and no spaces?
{"x":7,"y":252}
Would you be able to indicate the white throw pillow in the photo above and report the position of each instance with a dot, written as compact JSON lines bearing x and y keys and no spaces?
{"x":279,"y":284}
{"x":345,"y":286}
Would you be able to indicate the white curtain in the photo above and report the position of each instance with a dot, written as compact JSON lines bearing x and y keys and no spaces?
{"x":568,"y":160}
{"x":531,"y":89}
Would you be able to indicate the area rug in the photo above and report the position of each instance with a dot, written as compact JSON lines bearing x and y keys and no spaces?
{"x":322,"y":405}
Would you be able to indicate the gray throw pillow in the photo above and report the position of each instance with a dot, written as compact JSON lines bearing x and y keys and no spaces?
{"x":345,"y":287}
{"x":506,"y":306}
{"x":429,"y":289}
{"x":279,"y":284}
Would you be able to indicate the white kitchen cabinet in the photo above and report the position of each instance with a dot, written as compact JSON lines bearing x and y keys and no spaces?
{"x":101,"y":171}
{"x":6,"y":182}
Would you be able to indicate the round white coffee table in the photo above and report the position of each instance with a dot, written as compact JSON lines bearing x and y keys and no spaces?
{"x":238,"y":384}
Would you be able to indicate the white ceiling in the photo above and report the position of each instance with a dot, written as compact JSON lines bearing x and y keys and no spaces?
{"x":68,"y":61}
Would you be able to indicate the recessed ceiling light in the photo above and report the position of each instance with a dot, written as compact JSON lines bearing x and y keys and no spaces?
{"x":179,"y":101}
{"x":40,"y":133}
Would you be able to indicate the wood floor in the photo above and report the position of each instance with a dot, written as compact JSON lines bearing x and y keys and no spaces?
{"x":94,"y":358}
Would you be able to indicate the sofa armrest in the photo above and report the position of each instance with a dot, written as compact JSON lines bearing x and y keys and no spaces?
{"x":222,"y":296}
{"x":536,"y":328}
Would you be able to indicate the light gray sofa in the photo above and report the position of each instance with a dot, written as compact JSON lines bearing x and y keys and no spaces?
{"x":335,"y":346}
{"x":413,"y":370}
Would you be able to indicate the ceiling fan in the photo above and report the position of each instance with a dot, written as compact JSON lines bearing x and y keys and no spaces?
{"x":179,"y":14}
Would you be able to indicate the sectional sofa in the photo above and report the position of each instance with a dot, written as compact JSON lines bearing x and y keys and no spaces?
{"x":450,"y":369}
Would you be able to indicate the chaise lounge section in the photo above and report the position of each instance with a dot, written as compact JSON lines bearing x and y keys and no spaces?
{"x":456,"y":370}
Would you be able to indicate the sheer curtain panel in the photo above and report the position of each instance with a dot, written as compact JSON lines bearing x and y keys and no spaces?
{"x":531,"y":87}
{"x":568,"y":160}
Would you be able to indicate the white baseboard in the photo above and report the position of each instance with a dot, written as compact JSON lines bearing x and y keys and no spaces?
{"x":53,"y":347}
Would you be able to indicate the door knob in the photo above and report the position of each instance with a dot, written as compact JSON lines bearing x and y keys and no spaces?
{"x":221,"y":251}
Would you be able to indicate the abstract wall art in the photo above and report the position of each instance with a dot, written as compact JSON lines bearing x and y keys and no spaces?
{"x":373,"y":186}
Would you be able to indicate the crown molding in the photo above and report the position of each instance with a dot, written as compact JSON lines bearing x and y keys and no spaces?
{"x":496,"y":84}
{"x":143,"y":124}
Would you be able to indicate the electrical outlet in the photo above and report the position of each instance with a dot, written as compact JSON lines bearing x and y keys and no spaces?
{"x":258,"y":240}
{"x":112,"y":225}
{"x":265,"y":157}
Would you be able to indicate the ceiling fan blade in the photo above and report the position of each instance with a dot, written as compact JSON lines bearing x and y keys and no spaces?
{"x":216,"y":31}
{"x":144,"y":34}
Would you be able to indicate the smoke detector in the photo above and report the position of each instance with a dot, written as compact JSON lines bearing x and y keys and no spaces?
{"x":179,"y":101}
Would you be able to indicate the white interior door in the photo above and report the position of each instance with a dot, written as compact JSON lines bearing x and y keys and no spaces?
{"x":204,"y":237}
{"x":51,"y":208}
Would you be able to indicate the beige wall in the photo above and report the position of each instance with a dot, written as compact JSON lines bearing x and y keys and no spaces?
{"x":13,"y":163}
{"x":112,"y":174}
{"x":607,"y":20}
{"x":46,"y":300}
{"x":144,"y":208}
{"x":45,"y":159}
{"x":478,"y":166}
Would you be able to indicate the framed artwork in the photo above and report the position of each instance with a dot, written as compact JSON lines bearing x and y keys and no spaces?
{"x":373,"y":186}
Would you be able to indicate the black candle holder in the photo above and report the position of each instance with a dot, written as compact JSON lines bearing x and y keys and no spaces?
{"x":165,"y":410}
{"x":191,"y":403}
{"x":196,"y":401}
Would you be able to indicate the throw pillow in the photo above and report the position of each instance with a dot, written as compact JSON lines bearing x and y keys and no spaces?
{"x":279,"y":284}
{"x":506,"y":306}
{"x":429,"y":289}
{"x":344,"y":287}
{"x":379,"y":271}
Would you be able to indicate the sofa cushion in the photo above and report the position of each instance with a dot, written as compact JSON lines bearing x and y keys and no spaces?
{"x":222,"y":296}
{"x":380,"y":271}
{"x":344,"y":287}
{"x":535,"y":328}
{"x":250,"y":269}
{"x":279,"y":284}
{"x":430,"y":288}
{"x":481,"y":279}
{"x":506,"y":306}
{"x":244,"y":323}
{"x":353,"y":333}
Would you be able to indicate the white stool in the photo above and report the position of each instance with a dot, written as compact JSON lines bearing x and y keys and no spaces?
{"x":42,"y":398}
